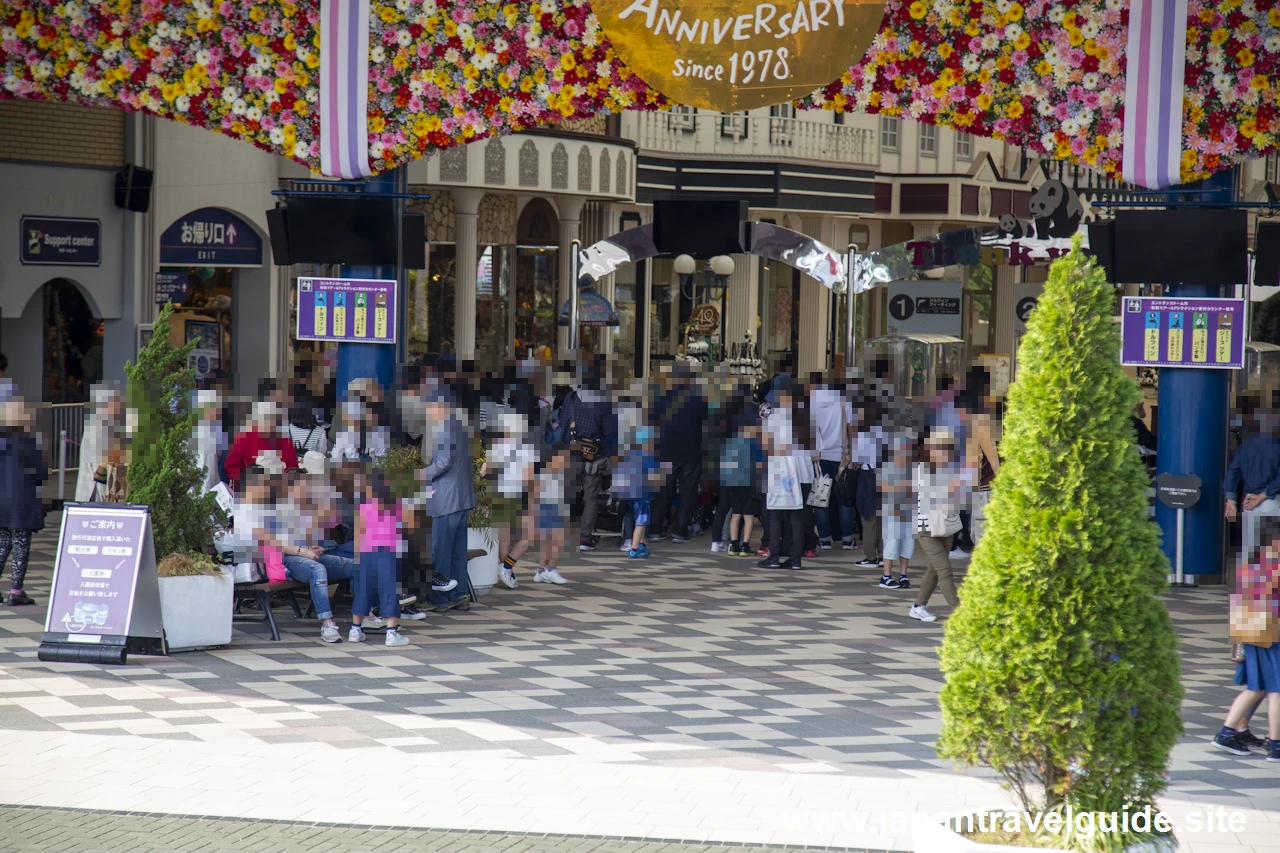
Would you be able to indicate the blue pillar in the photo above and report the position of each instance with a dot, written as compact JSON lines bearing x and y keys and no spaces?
{"x":1192,"y":439}
{"x":370,"y":361}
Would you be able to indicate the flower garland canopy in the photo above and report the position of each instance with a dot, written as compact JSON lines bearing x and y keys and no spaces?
{"x":1048,"y":76}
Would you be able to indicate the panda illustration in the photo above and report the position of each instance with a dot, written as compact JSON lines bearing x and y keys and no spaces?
{"x":1056,"y":209}
{"x":1011,"y":226}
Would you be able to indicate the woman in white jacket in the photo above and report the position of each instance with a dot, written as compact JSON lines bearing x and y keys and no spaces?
{"x":103,"y":438}
{"x":939,"y":484}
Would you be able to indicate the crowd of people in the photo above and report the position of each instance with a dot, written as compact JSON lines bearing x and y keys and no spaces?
{"x":812,"y":466}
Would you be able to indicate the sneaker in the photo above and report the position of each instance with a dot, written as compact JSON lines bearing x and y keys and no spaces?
{"x":903,"y":583}
{"x":412,"y":613}
{"x":1273,"y":753}
{"x":887,"y":582}
{"x":463,"y":603}
{"x":643,"y":549}
{"x":811,"y":553}
{"x":719,"y":547}
{"x":679,"y":539}
{"x":17,"y":598}
{"x":1230,"y":742}
{"x":868,"y":563}
{"x":957,"y":553}
{"x":769,"y":562}
{"x":636,"y":554}
{"x":330,"y":633}
{"x":1251,"y":740}
{"x":762,"y":551}
{"x":373,"y":623}
{"x":919,"y":611}
{"x":440,"y":583}
{"x":406,"y":599}
{"x":355,"y":635}
{"x":655,"y":537}
{"x":587,"y":544}
{"x":395,"y":638}
{"x":549,"y":575}
{"x":792,"y":563}
{"x":626,"y":546}
{"x":824,"y":544}
{"x":508,"y":576}
{"x":848,"y":544}
{"x":735,"y":549}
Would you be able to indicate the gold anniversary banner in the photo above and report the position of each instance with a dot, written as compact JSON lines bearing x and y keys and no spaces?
{"x":730,"y":55}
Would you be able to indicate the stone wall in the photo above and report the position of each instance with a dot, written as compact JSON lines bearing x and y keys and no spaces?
{"x":496,"y":221}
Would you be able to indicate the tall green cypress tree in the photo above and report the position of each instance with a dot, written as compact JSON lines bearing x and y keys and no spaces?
{"x":1060,"y":663}
{"x":162,"y":470}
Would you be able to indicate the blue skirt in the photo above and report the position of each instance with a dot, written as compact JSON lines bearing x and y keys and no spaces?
{"x":1261,"y":668}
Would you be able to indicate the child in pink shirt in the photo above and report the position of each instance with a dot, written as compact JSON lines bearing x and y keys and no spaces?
{"x":378,"y":544}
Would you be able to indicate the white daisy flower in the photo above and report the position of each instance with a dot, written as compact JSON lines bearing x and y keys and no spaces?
{"x":377,"y":54}
{"x":253,"y":113}
{"x":276,"y":135}
{"x":300,"y":150}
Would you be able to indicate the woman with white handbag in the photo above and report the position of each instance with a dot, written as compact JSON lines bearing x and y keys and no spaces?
{"x":938,"y":485}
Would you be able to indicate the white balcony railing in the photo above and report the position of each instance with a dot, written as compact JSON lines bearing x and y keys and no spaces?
{"x":759,"y":137}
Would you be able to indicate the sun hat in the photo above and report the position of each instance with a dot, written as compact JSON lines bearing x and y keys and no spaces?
{"x":940,"y":437}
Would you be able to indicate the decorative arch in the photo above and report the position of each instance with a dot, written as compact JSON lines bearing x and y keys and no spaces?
{"x":559,"y":167}
{"x":528,"y":167}
{"x":621,"y":182}
{"x":584,"y":169}
{"x":495,"y":162}
{"x":606,"y":179}
{"x":538,"y":224}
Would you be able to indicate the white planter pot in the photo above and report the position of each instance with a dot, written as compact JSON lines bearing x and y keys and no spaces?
{"x":483,"y":571}
{"x":937,"y":837}
{"x":196,"y":610}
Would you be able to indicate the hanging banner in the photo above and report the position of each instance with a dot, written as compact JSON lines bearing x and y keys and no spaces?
{"x":1165,"y":332}
{"x":729,"y":55}
{"x":353,"y":310}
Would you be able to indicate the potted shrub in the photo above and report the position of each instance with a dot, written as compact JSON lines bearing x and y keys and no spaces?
{"x":193,"y":592}
{"x":196,"y":609}
{"x":1060,"y":666}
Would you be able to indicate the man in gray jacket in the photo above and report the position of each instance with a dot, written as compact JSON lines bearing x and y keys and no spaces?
{"x":451,"y":495}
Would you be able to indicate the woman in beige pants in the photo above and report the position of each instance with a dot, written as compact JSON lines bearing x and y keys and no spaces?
{"x":937,"y":485}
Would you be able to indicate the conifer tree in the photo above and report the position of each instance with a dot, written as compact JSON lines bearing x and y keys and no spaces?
{"x":162,"y":470}
{"x":1060,"y":662}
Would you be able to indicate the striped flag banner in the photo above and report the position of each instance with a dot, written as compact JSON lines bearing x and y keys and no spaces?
{"x":344,"y":89}
{"x":1154,"y":79}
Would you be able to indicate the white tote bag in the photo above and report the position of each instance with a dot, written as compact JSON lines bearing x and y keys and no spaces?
{"x":820,"y":491}
{"x":784,"y":484}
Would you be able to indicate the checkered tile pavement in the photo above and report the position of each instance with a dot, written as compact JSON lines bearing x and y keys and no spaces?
{"x":688,"y":660}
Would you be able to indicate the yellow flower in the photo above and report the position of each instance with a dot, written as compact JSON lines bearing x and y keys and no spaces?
{"x":916,"y":48}
{"x":1003,"y":62}
{"x":313,"y":61}
{"x":281,"y":86}
{"x":504,"y":80}
{"x":945,"y":50}
{"x":256,"y":14}
{"x":1273,"y":16}
{"x":290,"y":42}
{"x":526,"y":85}
{"x":1259,"y":82}
{"x":1075,"y":37}
{"x":873,"y":99}
{"x":1014,"y":110}
{"x":450,"y":28}
{"x":984,"y":101}
{"x":1069,"y":20}
{"x":919,"y":9}
{"x":389,"y":14}
{"x":1015,"y":12}
{"x":1043,"y":68}
{"x":288,"y":10}
{"x":400,"y":63}
{"x":206,"y":25}
{"x":540,"y":75}
{"x":1244,"y":56}
{"x":470,"y":72}
{"x":300,"y":109}
{"x":972,"y":29}
{"x":377,"y":124}
{"x":1063,"y":151}
{"x":1249,"y":128}
{"x":1219,"y":36}
{"x":1022,"y":42}
{"x":567,"y":62}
